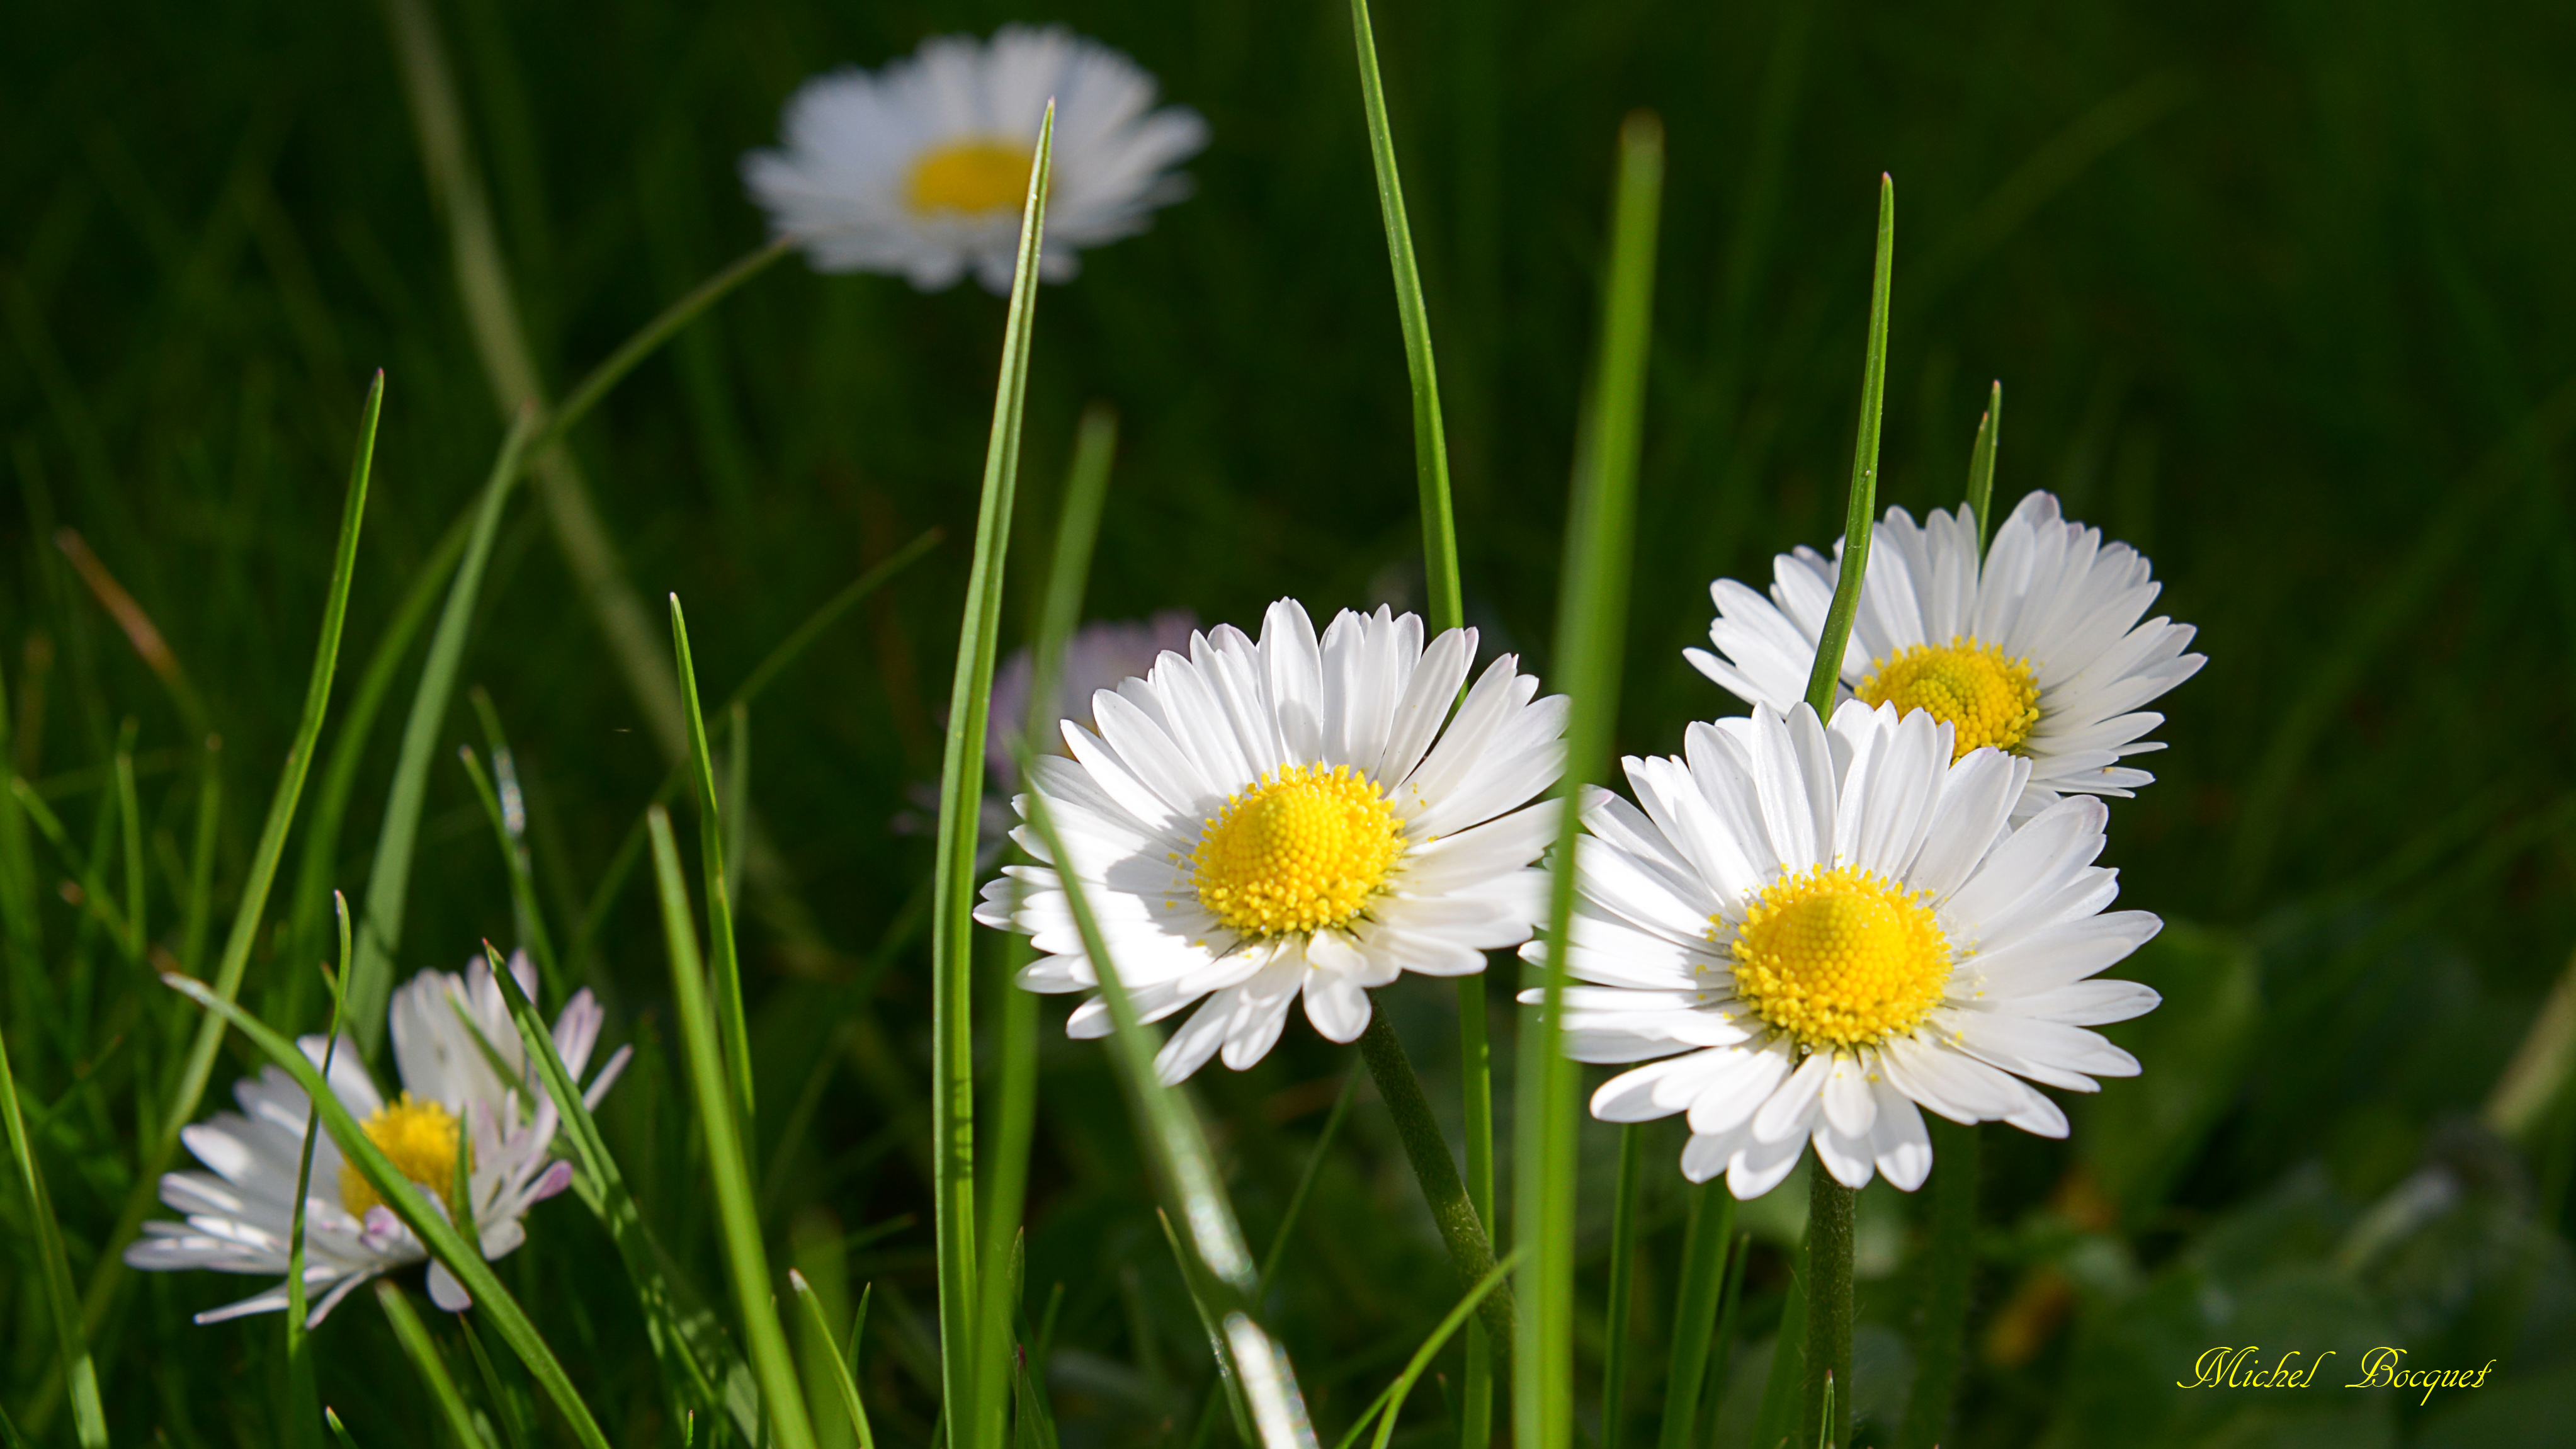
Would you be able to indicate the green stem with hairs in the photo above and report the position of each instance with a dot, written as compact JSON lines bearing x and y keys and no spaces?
{"x":1462,"y":1229}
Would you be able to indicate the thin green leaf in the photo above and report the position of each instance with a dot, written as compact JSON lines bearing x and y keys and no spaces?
{"x":1721,"y":1349}
{"x":1950,"y":1260}
{"x":961,"y":798}
{"x":1591,"y":618}
{"x":412,"y":1204}
{"x":1861,"y":507}
{"x":1981,"y":464}
{"x":129,"y":823}
{"x":733,"y":1027}
{"x":96,"y":898}
{"x":509,"y":815}
{"x":1306,"y":1179}
{"x":1621,"y":1311}
{"x":303,"y":1394}
{"x":505,"y":1405}
{"x":10,"y":1438}
{"x":198,"y":914}
{"x":339,"y":1431}
{"x":1389,"y":1404}
{"x":418,"y":1347}
{"x":71,"y":1344}
{"x":1202,"y":1294}
{"x":841,"y":1377}
{"x":1776,"y":1418}
{"x":738,"y":1214}
{"x":613,"y":368}
{"x":380,"y":923}
{"x":1705,"y":1240}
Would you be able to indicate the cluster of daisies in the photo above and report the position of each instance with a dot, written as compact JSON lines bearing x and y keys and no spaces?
{"x":1807,"y":930}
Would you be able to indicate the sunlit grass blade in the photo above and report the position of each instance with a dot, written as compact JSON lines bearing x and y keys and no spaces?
{"x":1186,"y":1176}
{"x":410,"y":1203}
{"x":1829,"y":1203}
{"x":1015,"y":1092}
{"x":339,"y":1431}
{"x":697,"y":1362}
{"x":1696,"y":1309}
{"x":734,"y":1029}
{"x":729,"y":1174}
{"x":1981,"y":464}
{"x":1389,"y":1404}
{"x":422,"y":1351}
{"x":380,"y":920}
{"x":53,"y":1270}
{"x":1306,"y":1179}
{"x":1950,"y":1261}
{"x":1617,"y":1315}
{"x":842,"y":1379}
{"x":303,"y":1394}
{"x":961,"y":800}
{"x":255,"y":886}
{"x":1202,"y":1296}
{"x":1592,"y":606}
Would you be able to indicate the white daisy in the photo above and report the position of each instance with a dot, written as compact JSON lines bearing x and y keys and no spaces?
{"x":1817,"y":932}
{"x":922,"y":168}
{"x":241,"y":1211}
{"x":2039,"y":652}
{"x":1258,"y":821}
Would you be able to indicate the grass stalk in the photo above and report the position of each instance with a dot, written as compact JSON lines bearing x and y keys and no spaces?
{"x":1389,"y":1404}
{"x":380,"y":922}
{"x":842,"y":1378}
{"x":1306,"y":1179}
{"x":1591,"y":622}
{"x":737,"y":1210}
{"x":1697,"y":1309}
{"x":1462,"y":1231}
{"x":1950,"y":1261}
{"x":53,"y":1270}
{"x":733,"y":1027}
{"x":422,"y":1351}
{"x":961,"y":798}
{"x":1981,"y":464}
{"x":1620,"y":1312}
{"x":303,"y":1394}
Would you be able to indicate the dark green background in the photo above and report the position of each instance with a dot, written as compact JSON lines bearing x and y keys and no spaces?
{"x":2278,"y":292}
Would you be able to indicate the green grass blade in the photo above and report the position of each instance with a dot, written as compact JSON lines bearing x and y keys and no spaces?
{"x":1618,"y":1317}
{"x":1950,"y":1260}
{"x":1861,"y":508}
{"x":408,"y":1202}
{"x":339,"y":1431}
{"x":1203,"y":1299}
{"x":129,"y":828}
{"x":380,"y":923}
{"x":842,"y":1379}
{"x":734,"y":1029}
{"x":1981,"y":464}
{"x":1015,"y":1106}
{"x":508,"y":810}
{"x":505,"y":1407}
{"x":1306,"y":1179}
{"x":71,"y":1344}
{"x":303,"y":1394}
{"x":10,"y":1438}
{"x":200,"y":1062}
{"x":746,"y":1261}
{"x":422,"y":1350}
{"x":197,"y":916}
{"x":1430,"y":441}
{"x":1721,"y":1349}
{"x":1591,"y":618}
{"x":613,"y":368}
{"x":1705,"y":1240}
{"x":1491,"y":1283}
{"x":96,"y":898}
{"x":961,"y":798}
{"x":1777,"y":1416}
{"x":696,"y":1360}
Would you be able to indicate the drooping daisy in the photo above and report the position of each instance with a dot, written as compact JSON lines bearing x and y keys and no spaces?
{"x":1263,"y":820}
{"x":241,"y":1210}
{"x":1809,"y":936}
{"x":921,"y":168}
{"x":2038,"y":652}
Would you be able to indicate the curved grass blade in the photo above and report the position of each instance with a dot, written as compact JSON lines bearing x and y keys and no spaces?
{"x":613,"y":368}
{"x":380,"y":924}
{"x":1591,"y":618}
{"x":1705,"y":1240}
{"x":303,"y":1395}
{"x":53,"y":1270}
{"x":1860,"y":509}
{"x":422,"y":1350}
{"x":842,"y":1379}
{"x":1390,"y":1402}
{"x":1981,"y":464}
{"x":1194,"y":1279}
{"x":961,"y":799}
{"x":737,"y":1211}
{"x":733,"y":1029}
{"x":411,"y":1204}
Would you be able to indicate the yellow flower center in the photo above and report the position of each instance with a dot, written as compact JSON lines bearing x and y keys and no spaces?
{"x":1840,"y":958}
{"x":419,"y":1136}
{"x":978,"y":175}
{"x":1303,"y":849}
{"x":1985,"y":698}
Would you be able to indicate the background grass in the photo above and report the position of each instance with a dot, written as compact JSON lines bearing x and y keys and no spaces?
{"x":2272,"y":289}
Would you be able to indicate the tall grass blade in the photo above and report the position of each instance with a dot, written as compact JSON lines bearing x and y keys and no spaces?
{"x":256,"y":882}
{"x":1981,"y":464}
{"x":1705,"y":1241}
{"x":507,"y":806}
{"x":1861,"y":506}
{"x":842,"y":1379}
{"x":737,"y":1210}
{"x":733,"y":1028}
{"x":1950,"y":1261}
{"x":53,"y":1270}
{"x":422,"y":1350}
{"x":380,"y":923}
{"x":961,"y":799}
{"x":1202,"y":1298}
{"x":1306,"y":1179}
{"x":1591,"y":618}
{"x":1620,"y":1314}
{"x":1390,"y":1405}
{"x":461,"y":1256}
{"x":303,"y":1394}
{"x":613,"y":368}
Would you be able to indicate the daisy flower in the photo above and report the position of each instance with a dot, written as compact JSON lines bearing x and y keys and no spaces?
{"x":2037,"y":651}
{"x":1807,"y":935}
{"x":1260,"y":821}
{"x":241,"y":1210}
{"x":921,"y":169}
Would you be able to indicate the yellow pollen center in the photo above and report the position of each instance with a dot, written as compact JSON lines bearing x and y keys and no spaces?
{"x":1840,"y":958}
{"x":979,"y":175}
{"x":1305,"y":848}
{"x":1985,"y":698}
{"x":419,"y":1136}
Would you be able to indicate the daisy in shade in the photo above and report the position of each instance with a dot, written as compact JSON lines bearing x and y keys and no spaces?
{"x":921,"y":169}
{"x":1261,"y":821}
{"x":2037,"y":651}
{"x":241,"y":1210}
{"x":1808,"y":936}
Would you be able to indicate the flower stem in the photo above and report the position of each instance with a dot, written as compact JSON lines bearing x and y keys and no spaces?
{"x":1462,"y":1228}
{"x":1950,"y":1263}
{"x":1829,"y":1309}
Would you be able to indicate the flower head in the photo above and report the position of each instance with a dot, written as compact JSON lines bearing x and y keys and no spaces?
{"x":476,"y":1140}
{"x":921,"y":168}
{"x":1808,"y":934}
{"x":1259,"y":821}
{"x":2036,"y":651}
